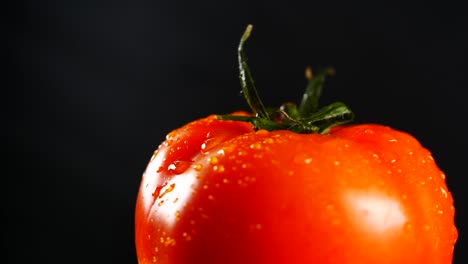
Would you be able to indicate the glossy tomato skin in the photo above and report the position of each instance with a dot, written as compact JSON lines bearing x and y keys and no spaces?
{"x":220,"y":192}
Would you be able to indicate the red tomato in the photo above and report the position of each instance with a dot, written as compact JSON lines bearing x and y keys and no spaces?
{"x":306,"y":190}
{"x":219,"y":192}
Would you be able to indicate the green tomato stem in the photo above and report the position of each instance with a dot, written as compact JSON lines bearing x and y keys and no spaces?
{"x":308,"y":118}
{"x":247,"y":83}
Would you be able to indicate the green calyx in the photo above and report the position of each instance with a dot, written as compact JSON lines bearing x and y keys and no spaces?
{"x":305,"y":118}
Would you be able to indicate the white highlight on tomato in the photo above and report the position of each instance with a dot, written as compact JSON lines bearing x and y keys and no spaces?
{"x":375,"y":212}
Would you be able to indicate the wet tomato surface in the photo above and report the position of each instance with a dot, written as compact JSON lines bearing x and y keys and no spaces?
{"x":218,"y":191}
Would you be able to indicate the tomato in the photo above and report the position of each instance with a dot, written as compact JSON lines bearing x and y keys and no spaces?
{"x":220,"y":190}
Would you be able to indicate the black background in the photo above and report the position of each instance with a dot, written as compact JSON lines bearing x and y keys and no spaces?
{"x":94,"y":86}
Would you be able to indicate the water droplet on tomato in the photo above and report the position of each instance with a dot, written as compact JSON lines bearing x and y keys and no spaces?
{"x":241,"y":153}
{"x":242,"y":182}
{"x":213,"y":160}
{"x":186,"y":236}
{"x":155,"y":154}
{"x":444,"y":192}
{"x":210,"y":143}
{"x":198,"y":167}
{"x":167,"y":190}
{"x":218,"y":168}
{"x":171,"y":134}
{"x":257,"y":145}
{"x":258,"y":156}
{"x":407,"y":226}
{"x":158,"y":190}
{"x":170,"y":242}
{"x":179,"y":166}
{"x":168,"y":142}
{"x":302,"y":158}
